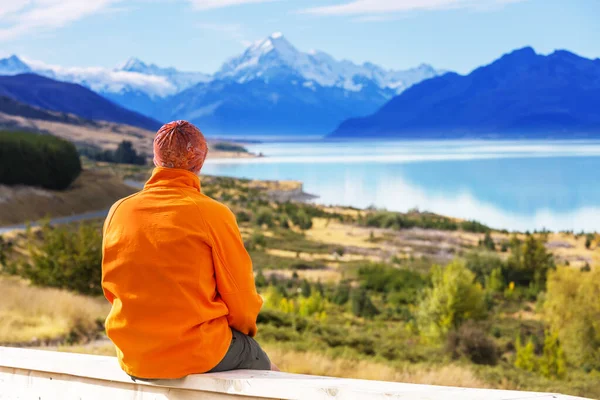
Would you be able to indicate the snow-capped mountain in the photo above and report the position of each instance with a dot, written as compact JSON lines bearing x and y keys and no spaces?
{"x":133,"y":76}
{"x":271,"y":88}
{"x":13,"y":66}
{"x":182,"y":80}
{"x":276,"y":54}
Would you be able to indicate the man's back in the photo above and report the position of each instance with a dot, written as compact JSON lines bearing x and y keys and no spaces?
{"x":178,"y":276}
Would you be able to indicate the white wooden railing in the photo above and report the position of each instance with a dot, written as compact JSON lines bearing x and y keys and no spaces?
{"x":46,"y":375}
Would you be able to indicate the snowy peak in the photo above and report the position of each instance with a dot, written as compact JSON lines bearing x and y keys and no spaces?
{"x":134,"y":65}
{"x":275,"y":55}
{"x":13,"y":65}
{"x":262,"y":59}
{"x":180,"y":80}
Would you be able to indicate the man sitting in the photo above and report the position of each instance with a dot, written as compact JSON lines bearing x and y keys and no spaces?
{"x":177,"y":274}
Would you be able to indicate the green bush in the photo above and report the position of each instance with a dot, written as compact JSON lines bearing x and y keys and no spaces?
{"x":264,"y":216}
{"x":37,"y":160}
{"x":482,"y":263}
{"x":525,"y":358}
{"x":403,"y":283}
{"x":362,"y":306}
{"x":488,"y":242}
{"x":529,"y":263}
{"x":472,"y":342}
{"x":243,"y":216}
{"x":66,"y":258}
{"x":572,"y":310}
{"x":454,"y":298}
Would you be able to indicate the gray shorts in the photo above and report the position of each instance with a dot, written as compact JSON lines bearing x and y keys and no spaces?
{"x":244,"y":353}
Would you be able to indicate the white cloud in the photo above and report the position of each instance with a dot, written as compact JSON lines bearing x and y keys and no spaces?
{"x":373,"y":7}
{"x":22,"y":17}
{"x":212,"y":4}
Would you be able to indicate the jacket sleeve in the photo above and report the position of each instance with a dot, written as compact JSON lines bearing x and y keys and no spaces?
{"x":234,"y":275}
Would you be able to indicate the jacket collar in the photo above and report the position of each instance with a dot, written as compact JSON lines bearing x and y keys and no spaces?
{"x":173,"y":178}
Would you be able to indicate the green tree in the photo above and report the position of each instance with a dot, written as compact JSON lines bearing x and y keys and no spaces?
{"x":37,"y":160}
{"x":314,"y":305}
{"x":260,"y":279}
{"x":588,"y":240}
{"x":305,"y":288}
{"x":341,"y":294}
{"x":454,"y":298}
{"x":362,"y":306}
{"x":553,"y":363}
{"x":66,"y":258}
{"x":495,"y":281}
{"x":572,"y":310}
{"x":482,"y":263}
{"x":529,"y":262}
{"x":302,"y":220}
{"x":126,"y":154}
{"x":264,"y":216}
{"x":488,"y":242}
{"x":526,"y":359}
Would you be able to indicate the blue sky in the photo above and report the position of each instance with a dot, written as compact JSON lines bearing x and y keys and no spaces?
{"x":199,"y":35}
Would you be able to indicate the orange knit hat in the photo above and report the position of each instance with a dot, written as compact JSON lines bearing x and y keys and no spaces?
{"x":180,"y":144}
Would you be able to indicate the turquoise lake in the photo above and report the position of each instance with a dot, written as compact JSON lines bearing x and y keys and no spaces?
{"x":516,"y":185}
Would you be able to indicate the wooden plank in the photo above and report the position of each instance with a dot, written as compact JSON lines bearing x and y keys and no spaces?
{"x":92,"y":371}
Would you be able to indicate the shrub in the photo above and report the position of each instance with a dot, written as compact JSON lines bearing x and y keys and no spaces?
{"x":362,"y":306}
{"x":124,"y":154}
{"x":66,"y":258}
{"x":572,"y":310}
{"x":341,"y":294}
{"x":588,"y":240}
{"x":525,"y":359}
{"x":488,"y":242}
{"x":472,"y":342}
{"x":553,"y":363}
{"x":403,"y":283}
{"x":37,"y":160}
{"x":529,"y":263}
{"x":302,"y":220}
{"x":495,"y":282}
{"x":243,"y":216}
{"x":482,"y":263}
{"x":453,"y":299}
{"x":264,"y":216}
{"x":475,"y":227}
{"x":257,"y":239}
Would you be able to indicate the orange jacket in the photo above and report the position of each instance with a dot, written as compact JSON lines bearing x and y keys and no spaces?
{"x":178,"y":277}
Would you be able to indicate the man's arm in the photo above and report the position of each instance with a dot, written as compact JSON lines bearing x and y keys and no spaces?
{"x":234,"y":275}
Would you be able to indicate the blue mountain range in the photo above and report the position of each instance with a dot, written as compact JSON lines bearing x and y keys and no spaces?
{"x":48,"y":94}
{"x":522,"y":94}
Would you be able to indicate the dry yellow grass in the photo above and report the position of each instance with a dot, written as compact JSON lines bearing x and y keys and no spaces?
{"x":319,"y":256}
{"x":313,"y":275}
{"x":91,"y":191}
{"x":28,"y":313}
{"x":319,"y":364}
{"x":333,"y":232}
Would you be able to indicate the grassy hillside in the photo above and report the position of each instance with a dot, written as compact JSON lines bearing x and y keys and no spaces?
{"x":91,"y":191}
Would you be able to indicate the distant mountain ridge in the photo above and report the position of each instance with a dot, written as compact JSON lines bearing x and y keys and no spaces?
{"x":273,"y":89}
{"x":275,"y":53}
{"x":272,"y":78}
{"x":52,"y":95}
{"x":522,"y":94}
